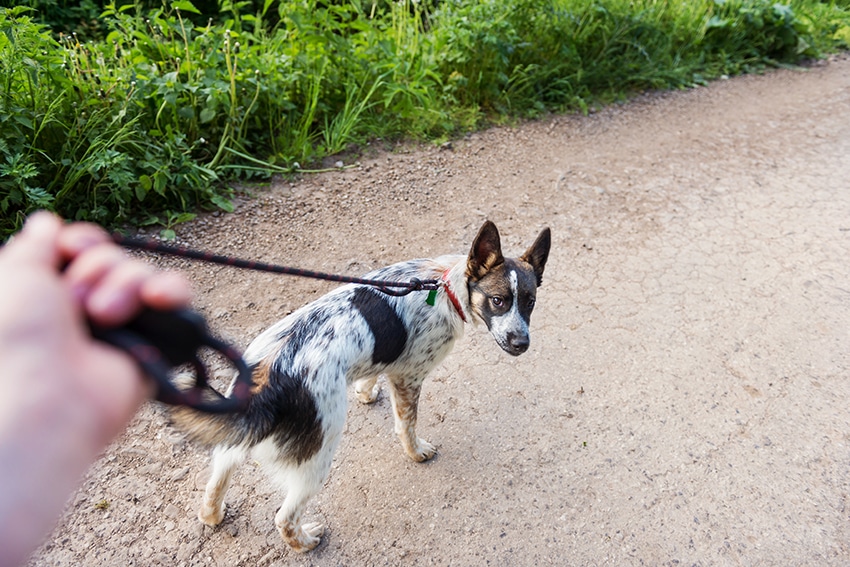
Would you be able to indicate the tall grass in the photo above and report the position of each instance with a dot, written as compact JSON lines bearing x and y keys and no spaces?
{"x":157,"y":118}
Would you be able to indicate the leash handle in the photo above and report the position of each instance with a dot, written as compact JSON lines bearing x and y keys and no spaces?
{"x":159,"y":341}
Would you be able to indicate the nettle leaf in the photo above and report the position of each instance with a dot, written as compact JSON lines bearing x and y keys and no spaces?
{"x":142,"y":192}
{"x":222,"y":203}
{"x":207,"y":115}
{"x":185,"y":6}
{"x":149,"y":220}
{"x":38,"y":196}
{"x":183,"y":217}
{"x":24,"y":121}
{"x":159,"y":181}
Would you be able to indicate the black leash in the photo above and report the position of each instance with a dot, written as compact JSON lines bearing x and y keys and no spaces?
{"x":160,"y":341}
{"x":388,"y":287}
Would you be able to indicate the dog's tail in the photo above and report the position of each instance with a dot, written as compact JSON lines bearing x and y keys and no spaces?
{"x":211,"y":429}
{"x":235,"y":428}
{"x":282,"y":406}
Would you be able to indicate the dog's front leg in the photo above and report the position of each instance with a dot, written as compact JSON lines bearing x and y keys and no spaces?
{"x":404,"y":395}
{"x":367,"y":389}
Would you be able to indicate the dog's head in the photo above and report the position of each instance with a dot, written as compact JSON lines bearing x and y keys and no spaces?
{"x":502,"y":291}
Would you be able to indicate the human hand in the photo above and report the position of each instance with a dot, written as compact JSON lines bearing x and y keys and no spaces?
{"x":63,"y":395}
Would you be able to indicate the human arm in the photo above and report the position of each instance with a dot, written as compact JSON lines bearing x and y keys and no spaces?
{"x":63,"y":395}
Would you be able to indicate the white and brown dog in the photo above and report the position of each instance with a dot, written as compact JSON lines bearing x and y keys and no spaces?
{"x":302,"y":365}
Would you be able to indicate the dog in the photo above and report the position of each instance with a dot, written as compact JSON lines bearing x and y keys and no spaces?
{"x":301,"y":367}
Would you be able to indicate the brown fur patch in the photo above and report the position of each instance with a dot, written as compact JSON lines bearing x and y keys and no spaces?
{"x":492,"y":283}
{"x":538,"y":253}
{"x":260,"y":376}
{"x":486,"y":252}
{"x":406,"y":401}
{"x":204,"y":428}
{"x":495,"y":282}
{"x":290,"y":533}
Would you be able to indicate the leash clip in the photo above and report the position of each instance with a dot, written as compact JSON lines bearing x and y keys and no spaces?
{"x":159,"y":341}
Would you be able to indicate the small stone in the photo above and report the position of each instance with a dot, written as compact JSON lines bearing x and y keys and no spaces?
{"x":179,"y":474}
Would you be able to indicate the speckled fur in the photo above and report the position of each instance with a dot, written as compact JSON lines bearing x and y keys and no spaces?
{"x":303,"y":364}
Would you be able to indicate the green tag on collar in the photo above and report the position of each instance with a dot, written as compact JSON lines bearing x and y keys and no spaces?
{"x":432,"y":297}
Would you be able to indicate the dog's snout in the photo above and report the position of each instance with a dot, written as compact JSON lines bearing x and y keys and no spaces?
{"x":519,"y":343}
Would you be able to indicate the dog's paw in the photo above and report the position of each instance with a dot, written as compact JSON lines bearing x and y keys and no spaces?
{"x":305,"y":538}
{"x":211,"y":515}
{"x":313,"y":533}
{"x":422,"y":451}
{"x":368,"y":394}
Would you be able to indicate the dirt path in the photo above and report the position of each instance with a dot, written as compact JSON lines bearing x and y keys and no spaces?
{"x":685,"y":397}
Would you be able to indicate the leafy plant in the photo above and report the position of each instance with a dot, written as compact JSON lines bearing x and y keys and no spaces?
{"x":152,"y":110}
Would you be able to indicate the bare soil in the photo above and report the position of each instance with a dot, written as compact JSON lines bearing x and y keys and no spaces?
{"x":685,"y":397}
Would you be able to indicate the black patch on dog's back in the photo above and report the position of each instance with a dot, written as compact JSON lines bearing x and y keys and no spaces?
{"x":285,"y":410}
{"x":384,"y":322}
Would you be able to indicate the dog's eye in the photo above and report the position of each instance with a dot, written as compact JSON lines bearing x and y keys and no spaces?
{"x":497,"y":301}
{"x":531,"y":303}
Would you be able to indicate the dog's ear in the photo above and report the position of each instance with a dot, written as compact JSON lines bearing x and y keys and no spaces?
{"x":538,"y":253}
{"x":486,"y":252}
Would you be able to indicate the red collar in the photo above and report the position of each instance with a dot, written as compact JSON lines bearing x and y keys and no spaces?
{"x":451,"y":295}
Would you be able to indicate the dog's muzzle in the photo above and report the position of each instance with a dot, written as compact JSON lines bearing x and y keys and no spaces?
{"x":516,"y":344}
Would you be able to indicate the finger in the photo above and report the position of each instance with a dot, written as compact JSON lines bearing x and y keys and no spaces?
{"x":116,"y":297}
{"x":36,"y":243}
{"x":87,"y":269}
{"x":113,"y":287}
{"x":76,"y":238}
{"x":166,"y":290}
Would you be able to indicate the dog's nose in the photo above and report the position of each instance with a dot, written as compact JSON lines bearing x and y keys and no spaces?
{"x":519,"y":343}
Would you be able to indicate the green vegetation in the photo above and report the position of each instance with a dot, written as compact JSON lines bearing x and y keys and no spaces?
{"x":152,"y":118}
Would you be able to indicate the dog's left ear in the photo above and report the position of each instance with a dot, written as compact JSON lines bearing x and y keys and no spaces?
{"x":538,"y":253}
{"x":486,"y":252}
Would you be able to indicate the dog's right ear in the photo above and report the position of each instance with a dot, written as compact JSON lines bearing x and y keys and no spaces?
{"x":538,"y":253}
{"x":486,"y":252}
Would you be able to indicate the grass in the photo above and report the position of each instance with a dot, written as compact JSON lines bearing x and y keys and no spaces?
{"x":160,"y":116}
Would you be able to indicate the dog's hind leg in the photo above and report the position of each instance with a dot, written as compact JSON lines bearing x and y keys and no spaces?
{"x":300,"y":537}
{"x":405,"y":400}
{"x":301,"y":482}
{"x":224,"y":462}
{"x":367,"y":389}
{"x":303,"y":477}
